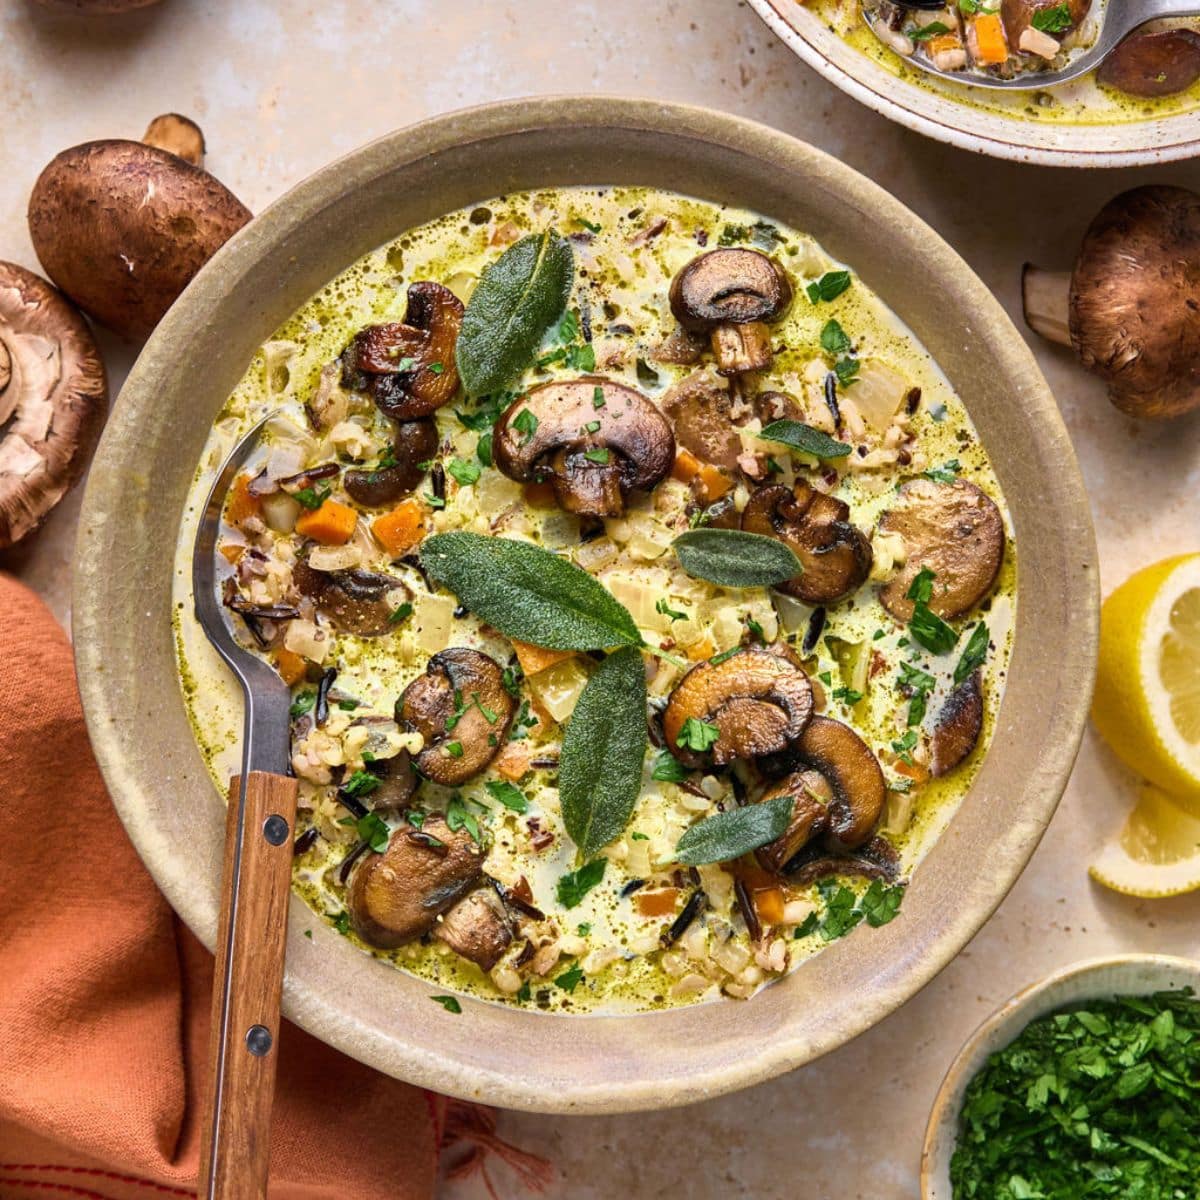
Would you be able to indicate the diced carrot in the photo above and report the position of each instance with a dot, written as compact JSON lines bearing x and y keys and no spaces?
{"x":332,"y":524}
{"x":986,"y":40}
{"x":540,"y":495}
{"x":713,"y":483}
{"x":513,"y":761}
{"x":768,"y":903}
{"x":687,"y":466}
{"x":231,"y":551}
{"x":243,"y":503}
{"x":916,"y":771}
{"x":289,"y":665}
{"x":537,"y":658}
{"x":401,"y":529}
{"x":943,"y":42}
{"x":658,"y":903}
{"x":704,"y":648}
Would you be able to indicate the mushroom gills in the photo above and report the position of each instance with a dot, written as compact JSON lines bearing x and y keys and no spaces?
{"x":959,"y":722}
{"x":477,"y":927}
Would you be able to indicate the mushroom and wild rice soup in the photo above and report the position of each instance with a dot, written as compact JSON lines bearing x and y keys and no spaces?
{"x":644,"y":590}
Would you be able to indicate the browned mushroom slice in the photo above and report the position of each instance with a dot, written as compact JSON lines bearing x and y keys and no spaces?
{"x":462,"y":709}
{"x":854,"y":776}
{"x":1153,"y":63}
{"x":776,"y":406}
{"x":701,"y":410}
{"x":732,"y":294}
{"x":594,"y":440}
{"x":683,"y":348}
{"x":397,"y":783}
{"x":956,"y":731}
{"x":356,"y":601}
{"x":758,"y":702}
{"x":956,"y":531}
{"x":876,"y":859}
{"x":811,"y":796}
{"x":396,"y":896}
{"x":477,"y":927}
{"x":411,"y":364}
{"x":416,"y":442}
{"x":836,"y":556}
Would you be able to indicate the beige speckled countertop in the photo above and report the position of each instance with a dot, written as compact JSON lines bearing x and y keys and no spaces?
{"x":281,"y":87}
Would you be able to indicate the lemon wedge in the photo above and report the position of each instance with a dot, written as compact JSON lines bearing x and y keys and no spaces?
{"x":1157,"y":852}
{"x":1147,"y":702}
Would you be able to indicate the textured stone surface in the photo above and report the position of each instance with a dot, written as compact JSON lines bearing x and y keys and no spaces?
{"x":281,"y":88}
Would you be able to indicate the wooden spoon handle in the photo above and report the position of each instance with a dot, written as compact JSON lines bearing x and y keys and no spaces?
{"x":234,"y":1153}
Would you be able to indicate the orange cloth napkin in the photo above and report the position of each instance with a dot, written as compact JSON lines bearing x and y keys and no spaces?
{"x":104,"y":997}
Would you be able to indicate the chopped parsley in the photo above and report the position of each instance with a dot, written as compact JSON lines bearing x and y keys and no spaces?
{"x":507,"y":794}
{"x":1055,"y":19}
{"x":946,"y":473}
{"x":464,"y":471}
{"x":834,"y":339}
{"x":916,"y":684}
{"x":974,"y":654}
{"x":454,"y":749}
{"x":311,"y":497}
{"x":932,"y":30}
{"x":847,"y":695}
{"x":373,"y":830}
{"x":661,"y":606}
{"x":668,"y":769}
{"x":449,"y":1003}
{"x":458,"y":816}
{"x":361,"y":783}
{"x":341,"y":921}
{"x":902,"y":747}
{"x":569,"y":979}
{"x":697,"y":735}
{"x":400,"y":613}
{"x":574,"y":885}
{"x":525,"y":423}
{"x":598,"y":454}
{"x":303,"y":703}
{"x":829,"y":287}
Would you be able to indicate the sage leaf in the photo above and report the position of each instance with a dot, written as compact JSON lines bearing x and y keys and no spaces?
{"x":528,"y":593}
{"x":603,"y":750}
{"x":517,"y":299}
{"x":731,"y":834}
{"x":736,"y":559}
{"x":805,"y":439}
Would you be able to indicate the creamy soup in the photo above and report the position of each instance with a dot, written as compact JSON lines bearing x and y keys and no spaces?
{"x":645,"y":593}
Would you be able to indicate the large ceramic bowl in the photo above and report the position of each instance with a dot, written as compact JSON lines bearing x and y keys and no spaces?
{"x":1092,"y":979}
{"x":148,"y":456}
{"x":1128,"y":144}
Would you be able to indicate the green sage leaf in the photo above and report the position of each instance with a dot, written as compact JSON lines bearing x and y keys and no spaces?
{"x":603,"y":750}
{"x":731,"y":834}
{"x":735,"y":559}
{"x":517,"y":299}
{"x":528,"y":593}
{"x":805,"y":439}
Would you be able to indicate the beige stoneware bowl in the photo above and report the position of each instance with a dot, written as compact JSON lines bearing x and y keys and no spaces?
{"x":147,"y":458}
{"x":1092,"y":979}
{"x":1126,"y":144}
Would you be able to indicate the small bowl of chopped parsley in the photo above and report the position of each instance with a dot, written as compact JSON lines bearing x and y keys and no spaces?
{"x":1082,"y":1087}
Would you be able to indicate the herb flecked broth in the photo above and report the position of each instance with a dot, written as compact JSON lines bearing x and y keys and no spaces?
{"x":1082,"y":102}
{"x":610,"y":955}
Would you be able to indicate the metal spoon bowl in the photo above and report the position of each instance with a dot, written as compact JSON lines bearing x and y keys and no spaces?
{"x":1119,"y":18}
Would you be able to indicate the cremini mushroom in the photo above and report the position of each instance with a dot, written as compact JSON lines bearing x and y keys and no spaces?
{"x":409,"y":366}
{"x":179,"y":135}
{"x":1131,"y":307}
{"x":360,"y":602}
{"x":413,"y":444}
{"x":396,"y":896}
{"x":701,"y":409}
{"x":53,"y":398}
{"x":1153,"y":63}
{"x":477,"y":927}
{"x":811,"y":796}
{"x":398,"y":782}
{"x":757,"y":702}
{"x":122,"y":227}
{"x":956,"y":730}
{"x":953,"y":529}
{"x":835,"y":554}
{"x":462,"y":709}
{"x":593,"y":439}
{"x":732,"y":295}
{"x":1018,"y":17}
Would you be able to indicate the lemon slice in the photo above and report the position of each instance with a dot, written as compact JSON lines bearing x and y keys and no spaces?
{"x":1147,"y":702}
{"x":1157,"y":852}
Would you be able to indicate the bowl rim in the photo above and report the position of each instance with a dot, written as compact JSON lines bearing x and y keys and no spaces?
{"x":909,"y":115}
{"x":1031,"y":1002}
{"x":308,"y":1002}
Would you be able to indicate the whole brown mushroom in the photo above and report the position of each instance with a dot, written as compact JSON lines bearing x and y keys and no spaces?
{"x":53,"y":399}
{"x":1153,"y":63}
{"x":1131,"y":307}
{"x":122,"y":226}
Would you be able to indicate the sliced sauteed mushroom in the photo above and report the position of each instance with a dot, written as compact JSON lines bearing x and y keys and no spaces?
{"x":594,"y":440}
{"x":956,"y":531}
{"x":757,"y":703}
{"x":875,"y":859}
{"x":836,"y":555}
{"x":1018,"y":17}
{"x":356,"y":601}
{"x":811,"y":796}
{"x":477,"y":927}
{"x":53,"y":398}
{"x":1153,"y":63}
{"x":409,"y":365}
{"x":701,"y":409}
{"x":415,"y":443}
{"x":1131,"y":307}
{"x":462,"y":709}
{"x":732,"y":294}
{"x":396,"y":896}
{"x":398,"y":783}
{"x":956,"y":730}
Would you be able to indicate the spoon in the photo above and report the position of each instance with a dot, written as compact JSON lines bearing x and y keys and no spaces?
{"x":1118,"y":20}
{"x":257,"y":881}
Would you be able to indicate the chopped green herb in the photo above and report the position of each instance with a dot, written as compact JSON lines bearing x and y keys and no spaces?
{"x":449,"y":1003}
{"x":847,"y":695}
{"x":638,"y":837}
{"x":590,"y":226}
{"x":523,"y":992}
{"x":458,"y":816}
{"x":598,"y":454}
{"x":842,"y":913}
{"x":1055,"y":19}
{"x":311,"y":497}
{"x":436,"y":368}
{"x":483,"y":450}
{"x":930,"y":630}
{"x":400,"y":613}
{"x":916,"y":684}
{"x":583,"y":928}
{"x":573,"y":886}
{"x":308,"y":934}
{"x":465,"y":472}
{"x":435,"y":501}
{"x":880,"y":904}
{"x":303,"y":703}
{"x":903,"y":747}
{"x":507,"y":794}
{"x":829,"y":287}
{"x":921,"y":588}
{"x":341,"y":921}
{"x":569,"y":979}
{"x":697,"y":735}
{"x":668,"y":769}
{"x":974,"y":654}
{"x":373,"y":830}
{"x":525,"y":423}
{"x":661,"y":606}
{"x":808,"y":925}
{"x":454,"y":749}
{"x":932,"y":30}
{"x":598,"y":397}
{"x":946,"y":473}
{"x":361,"y":783}
{"x":834,"y":339}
